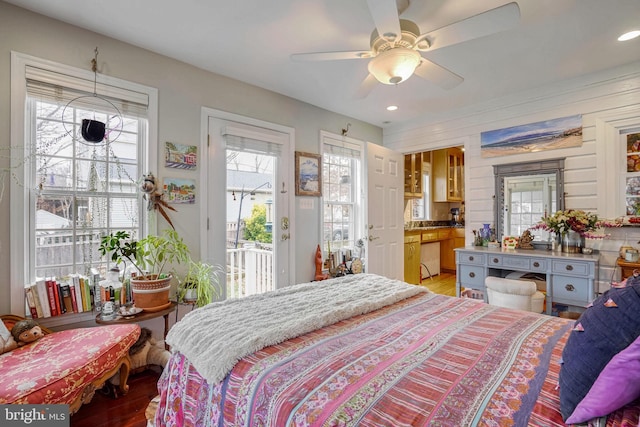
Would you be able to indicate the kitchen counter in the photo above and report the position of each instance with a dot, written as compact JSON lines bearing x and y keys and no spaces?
{"x":419,"y":248}
{"x":432,"y":227}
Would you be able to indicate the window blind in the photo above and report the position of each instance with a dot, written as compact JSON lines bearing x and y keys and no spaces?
{"x":64,"y":89}
{"x":259,"y":141}
{"x":341,"y":148}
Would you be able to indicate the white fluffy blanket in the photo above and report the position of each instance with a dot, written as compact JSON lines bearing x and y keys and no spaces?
{"x":216,"y":336}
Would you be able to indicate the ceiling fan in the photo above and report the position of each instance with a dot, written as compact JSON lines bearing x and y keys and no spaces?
{"x":396,"y":43}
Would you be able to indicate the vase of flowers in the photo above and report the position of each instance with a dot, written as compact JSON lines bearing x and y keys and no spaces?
{"x":571,"y":227}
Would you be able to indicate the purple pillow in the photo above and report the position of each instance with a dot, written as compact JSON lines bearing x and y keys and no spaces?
{"x":600,"y":373}
{"x":617,"y":385}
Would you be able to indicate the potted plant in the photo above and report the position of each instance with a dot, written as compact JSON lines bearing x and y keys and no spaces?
{"x":150,"y":256}
{"x":201,"y":284}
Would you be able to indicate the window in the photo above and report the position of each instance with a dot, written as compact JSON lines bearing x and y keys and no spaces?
{"x":341,"y":190}
{"x":73,"y":191}
{"x":421,"y":208}
{"x":632,"y":178}
{"x":528,"y":199}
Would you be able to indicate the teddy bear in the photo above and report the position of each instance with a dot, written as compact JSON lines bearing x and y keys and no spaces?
{"x":26,"y":331}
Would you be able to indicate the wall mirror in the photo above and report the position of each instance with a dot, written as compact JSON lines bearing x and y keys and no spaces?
{"x":524,"y":193}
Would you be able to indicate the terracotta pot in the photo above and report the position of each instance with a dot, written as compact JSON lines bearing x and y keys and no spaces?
{"x":150,"y":293}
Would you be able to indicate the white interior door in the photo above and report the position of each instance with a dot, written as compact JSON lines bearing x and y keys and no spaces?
{"x":385,"y":203}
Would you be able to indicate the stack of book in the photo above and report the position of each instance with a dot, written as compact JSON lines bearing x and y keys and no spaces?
{"x":50,"y":296}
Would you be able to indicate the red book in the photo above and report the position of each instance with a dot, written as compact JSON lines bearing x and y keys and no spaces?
{"x":52,"y":292}
{"x":56,"y":292}
{"x":74,"y":298}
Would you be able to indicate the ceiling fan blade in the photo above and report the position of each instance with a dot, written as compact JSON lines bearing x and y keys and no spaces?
{"x":366,"y":87}
{"x":438,"y":74}
{"x":490,"y":22}
{"x":385,"y":16}
{"x":330,"y":56}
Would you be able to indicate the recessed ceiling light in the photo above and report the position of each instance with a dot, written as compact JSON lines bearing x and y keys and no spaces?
{"x":628,"y":36}
{"x":392,"y":107}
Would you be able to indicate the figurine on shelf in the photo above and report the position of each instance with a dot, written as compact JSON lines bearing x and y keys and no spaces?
{"x":319,"y":275}
{"x":525,"y":240}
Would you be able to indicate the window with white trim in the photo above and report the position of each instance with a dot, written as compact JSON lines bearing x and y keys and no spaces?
{"x":341,"y":194}
{"x":632,"y":176}
{"x":75,"y":191}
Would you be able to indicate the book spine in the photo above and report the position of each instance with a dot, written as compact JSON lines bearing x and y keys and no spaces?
{"x":36,"y":300}
{"x":97,"y":300}
{"x":83,"y":293}
{"x":78,"y":293}
{"x":58,"y":296}
{"x":52,"y":297}
{"x":74,"y":299}
{"x":43,"y":294}
{"x":31,"y":302}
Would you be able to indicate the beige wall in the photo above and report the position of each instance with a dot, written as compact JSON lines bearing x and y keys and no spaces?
{"x":183,"y":91}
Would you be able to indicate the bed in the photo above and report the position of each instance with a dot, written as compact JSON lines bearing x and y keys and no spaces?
{"x":368,"y":351}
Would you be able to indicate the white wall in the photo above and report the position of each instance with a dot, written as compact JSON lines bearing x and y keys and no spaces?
{"x":183,"y":91}
{"x":608,"y":101}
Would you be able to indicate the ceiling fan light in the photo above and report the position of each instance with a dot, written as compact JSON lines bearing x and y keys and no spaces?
{"x":395,"y":65}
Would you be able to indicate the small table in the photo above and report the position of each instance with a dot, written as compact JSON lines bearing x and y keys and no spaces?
{"x":627,"y":268}
{"x":143,"y":315}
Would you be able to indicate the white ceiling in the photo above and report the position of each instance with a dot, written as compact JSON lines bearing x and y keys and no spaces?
{"x":251,"y":41}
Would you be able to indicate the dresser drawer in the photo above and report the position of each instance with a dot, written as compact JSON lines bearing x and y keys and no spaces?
{"x":471,"y":276}
{"x":571,"y":290}
{"x":430,"y":236}
{"x":494,"y":260}
{"x":538,"y":264}
{"x":570,"y":267}
{"x":471,"y":258}
{"x":516,"y":262}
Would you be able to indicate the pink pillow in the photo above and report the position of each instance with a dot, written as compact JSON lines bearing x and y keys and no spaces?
{"x":617,"y":385}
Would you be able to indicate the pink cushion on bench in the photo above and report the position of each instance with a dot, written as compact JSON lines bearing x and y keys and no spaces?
{"x":57,"y":367}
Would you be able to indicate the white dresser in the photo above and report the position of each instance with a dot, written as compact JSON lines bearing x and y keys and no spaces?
{"x":570,"y":277}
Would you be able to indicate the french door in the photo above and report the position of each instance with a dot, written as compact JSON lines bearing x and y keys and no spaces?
{"x":248,"y":198}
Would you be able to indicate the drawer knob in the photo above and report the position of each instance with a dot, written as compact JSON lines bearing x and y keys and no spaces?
{"x":472,"y":274}
{"x":569,"y":267}
{"x":570,"y":287}
{"x":471,"y":258}
{"x":496,"y":260}
{"x":536,"y":264}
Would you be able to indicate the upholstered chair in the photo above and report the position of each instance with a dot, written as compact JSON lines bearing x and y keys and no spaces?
{"x":511,"y":293}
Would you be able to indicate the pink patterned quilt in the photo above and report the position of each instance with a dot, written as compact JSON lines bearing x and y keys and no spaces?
{"x":429,"y":360}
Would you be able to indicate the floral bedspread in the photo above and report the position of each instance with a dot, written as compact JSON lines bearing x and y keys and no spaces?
{"x":429,"y":360}
{"x":56,"y":368}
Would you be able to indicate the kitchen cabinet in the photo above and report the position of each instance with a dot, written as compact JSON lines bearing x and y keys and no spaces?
{"x":448,"y":175}
{"x":448,"y":239}
{"x":447,"y":254}
{"x":413,"y":176}
{"x":412,"y":258}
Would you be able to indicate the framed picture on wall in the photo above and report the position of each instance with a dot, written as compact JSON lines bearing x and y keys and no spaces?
{"x":308,"y":173}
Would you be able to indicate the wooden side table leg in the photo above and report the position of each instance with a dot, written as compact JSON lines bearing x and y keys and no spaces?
{"x":166,"y":330}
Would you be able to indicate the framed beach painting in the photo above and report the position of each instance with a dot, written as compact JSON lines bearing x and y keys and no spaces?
{"x":308,"y":172}
{"x":552,"y":134}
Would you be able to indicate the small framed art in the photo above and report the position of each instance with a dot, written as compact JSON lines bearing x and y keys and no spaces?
{"x":308,"y":172}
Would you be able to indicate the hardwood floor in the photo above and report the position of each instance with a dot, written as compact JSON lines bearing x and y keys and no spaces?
{"x":124,"y":411}
{"x":443,"y":283}
{"x":129,"y":410}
